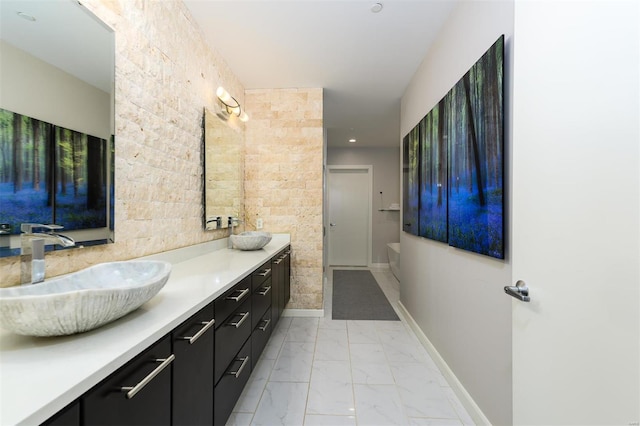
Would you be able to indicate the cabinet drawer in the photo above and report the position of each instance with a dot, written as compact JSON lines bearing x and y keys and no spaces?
{"x":260,"y":337}
{"x":230,"y":386}
{"x":193,"y":369}
{"x":230,"y":337}
{"x":260,"y":275}
{"x":261,"y":301}
{"x":137,"y":394}
{"x":229,"y":301}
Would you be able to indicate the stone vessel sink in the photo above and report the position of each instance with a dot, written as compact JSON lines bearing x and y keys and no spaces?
{"x":83,"y":300}
{"x":250,"y":240}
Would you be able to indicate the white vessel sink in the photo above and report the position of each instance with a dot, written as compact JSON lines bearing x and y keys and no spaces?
{"x":250,"y":240}
{"x":81,"y":301}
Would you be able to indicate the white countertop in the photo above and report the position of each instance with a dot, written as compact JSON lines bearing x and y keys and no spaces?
{"x":41,"y":375}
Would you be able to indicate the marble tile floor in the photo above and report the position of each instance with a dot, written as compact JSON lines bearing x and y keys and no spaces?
{"x":324,"y":372}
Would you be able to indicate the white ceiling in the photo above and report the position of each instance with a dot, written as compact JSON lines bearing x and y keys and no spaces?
{"x":65,"y":35}
{"x":363,"y":60}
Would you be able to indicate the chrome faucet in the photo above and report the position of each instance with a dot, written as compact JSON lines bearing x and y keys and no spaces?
{"x":32,"y":250}
{"x":234,"y":222}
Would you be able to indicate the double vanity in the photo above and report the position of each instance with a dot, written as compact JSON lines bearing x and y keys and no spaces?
{"x":181,"y":358}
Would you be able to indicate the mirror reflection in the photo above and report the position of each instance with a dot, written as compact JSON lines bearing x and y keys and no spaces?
{"x":223,"y":169}
{"x":56,"y":121}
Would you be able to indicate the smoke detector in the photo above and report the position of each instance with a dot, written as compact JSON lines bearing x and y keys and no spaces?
{"x":376,"y":7}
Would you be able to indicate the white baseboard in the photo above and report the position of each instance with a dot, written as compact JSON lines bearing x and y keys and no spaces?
{"x":303,"y":313}
{"x":465,"y":399}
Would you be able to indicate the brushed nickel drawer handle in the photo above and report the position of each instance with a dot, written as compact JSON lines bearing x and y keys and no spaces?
{"x":239,"y":370}
{"x":237,"y":324}
{"x":265,"y":326}
{"x":277,"y":261}
{"x":133,"y":390}
{"x":264,"y":291}
{"x":207,"y":325}
{"x":265,"y":272}
{"x":237,"y":298}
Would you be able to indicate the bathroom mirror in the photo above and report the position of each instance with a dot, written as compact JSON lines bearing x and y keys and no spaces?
{"x":223,"y":168}
{"x":57,"y":99}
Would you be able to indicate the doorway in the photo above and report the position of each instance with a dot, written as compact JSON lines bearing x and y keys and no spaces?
{"x":349,"y":215}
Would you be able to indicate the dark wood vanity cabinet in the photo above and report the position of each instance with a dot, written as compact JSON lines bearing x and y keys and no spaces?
{"x":231,"y":300}
{"x":233,"y":325}
{"x":137,"y":394}
{"x":231,"y":384}
{"x":192,"y":390}
{"x":260,"y":336}
{"x":281,"y":283}
{"x":287,"y":276}
{"x":262,"y":282}
{"x":195,"y":374}
{"x":277,"y":282}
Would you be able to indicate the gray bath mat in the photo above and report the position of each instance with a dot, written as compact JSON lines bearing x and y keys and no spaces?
{"x":357,"y":296}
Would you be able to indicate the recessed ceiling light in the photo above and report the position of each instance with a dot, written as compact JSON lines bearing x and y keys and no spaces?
{"x":26,"y":16}
{"x":352,"y":140}
{"x":376,"y":7}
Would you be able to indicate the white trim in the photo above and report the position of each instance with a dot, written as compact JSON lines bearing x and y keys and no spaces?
{"x":467,"y":401}
{"x":319,"y":313}
{"x":369,"y":169}
{"x":380,"y":265}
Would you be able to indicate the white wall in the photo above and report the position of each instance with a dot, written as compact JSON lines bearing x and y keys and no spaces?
{"x":34,"y":88}
{"x":386,"y":179}
{"x":456,"y":297}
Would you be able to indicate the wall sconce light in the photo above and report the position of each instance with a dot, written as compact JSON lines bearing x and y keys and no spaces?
{"x":231,"y":104}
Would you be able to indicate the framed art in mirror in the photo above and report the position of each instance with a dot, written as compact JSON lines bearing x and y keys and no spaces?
{"x":56,"y":121}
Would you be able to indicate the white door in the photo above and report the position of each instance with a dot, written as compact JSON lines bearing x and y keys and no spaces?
{"x":349,"y":190}
{"x":576,"y":218}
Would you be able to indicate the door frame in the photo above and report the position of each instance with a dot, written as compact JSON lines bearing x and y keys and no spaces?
{"x":369,"y":169}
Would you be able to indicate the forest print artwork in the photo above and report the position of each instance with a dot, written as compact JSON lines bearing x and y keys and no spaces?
{"x":461,"y":162}
{"x":433,"y":175}
{"x":475,"y":135}
{"x":410,"y":174}
{"x":50,"y":174}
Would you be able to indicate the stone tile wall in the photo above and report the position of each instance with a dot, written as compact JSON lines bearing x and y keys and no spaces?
{"x":283,"y":179}
{"x":165,"y":75}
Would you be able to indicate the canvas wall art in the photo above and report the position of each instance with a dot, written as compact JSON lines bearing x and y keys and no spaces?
{"x":411,"y":181}
{"x":433,"y":175}
{"x":461,"y":162}
{"x":476,"y":157}
{"x":50,"y":174}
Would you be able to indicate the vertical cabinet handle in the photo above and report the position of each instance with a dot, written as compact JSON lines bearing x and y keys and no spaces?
{"x":239,"y":370}
{"x":237,"y":324}
{"x":240,"y":296}
{"x":192,"y":339}
{"x":133,"y":390}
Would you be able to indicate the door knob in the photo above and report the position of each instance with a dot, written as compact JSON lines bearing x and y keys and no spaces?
{"x":520,"y":291}
{"x":332,"y":224}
